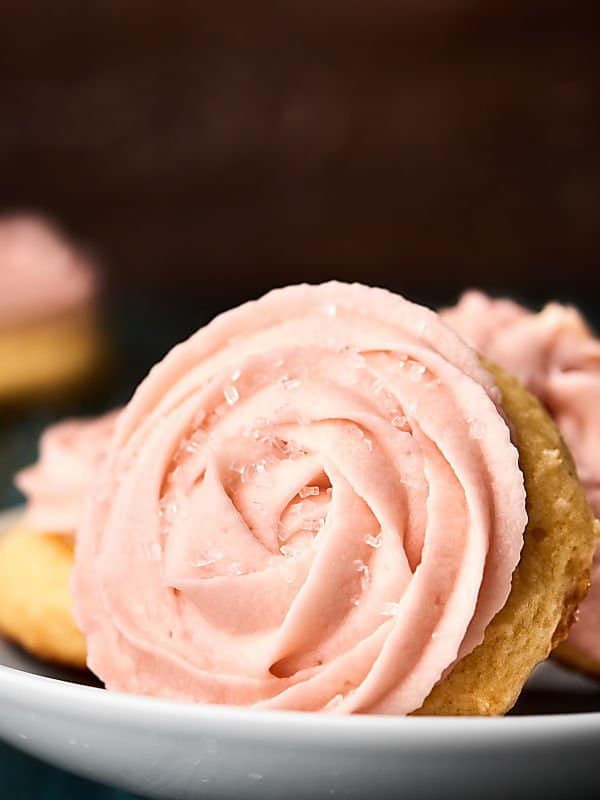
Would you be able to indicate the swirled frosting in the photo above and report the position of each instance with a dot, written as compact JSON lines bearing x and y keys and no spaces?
{"x":555,"y":355}
{"x":313,"y":504}
{"x":41,"y":274}
{"x":57,"y":485}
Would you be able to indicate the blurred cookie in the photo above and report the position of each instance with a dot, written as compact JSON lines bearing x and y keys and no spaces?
{"x":50,"y":337}
{"x":557,"y":357}
{"x":36,"y":557}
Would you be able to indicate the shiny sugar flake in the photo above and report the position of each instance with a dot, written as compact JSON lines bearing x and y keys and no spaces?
{"x":192,"y":446}
{"x":374,"y":541}
{"x":237,"y":466}
{"x":399,"y":421}
{"x":204,"y":562}
{"x":309,"y":491}
{"x":390,"y":609}
{"x":363,"y":570}
{"x":288,"y":551}
{"x":231,"y":395}
{"x":416,"y":372}
{"x":236,"y":375}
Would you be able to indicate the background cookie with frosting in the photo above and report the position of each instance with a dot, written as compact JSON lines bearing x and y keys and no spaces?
{"x":36,"y":556}
{"x":556,"y":356}
{"x":50,"y":336}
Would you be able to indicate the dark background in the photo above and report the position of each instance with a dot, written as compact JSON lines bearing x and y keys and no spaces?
{"x":206,"y":152}
{"x":411,"y":143}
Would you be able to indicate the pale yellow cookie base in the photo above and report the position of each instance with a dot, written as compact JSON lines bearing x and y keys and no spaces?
{"x":35,"y":601}
{"x":49,"y":357}
{"x":550,"y":581}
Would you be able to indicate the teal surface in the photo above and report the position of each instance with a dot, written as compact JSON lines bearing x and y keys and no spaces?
{"x":26,"y":778}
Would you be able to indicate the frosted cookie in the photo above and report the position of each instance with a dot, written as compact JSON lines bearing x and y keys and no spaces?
{"x":50,"y":338}
{"x":556,"y":356}
{"x":36,"y":557}
{"x":315,"y":504}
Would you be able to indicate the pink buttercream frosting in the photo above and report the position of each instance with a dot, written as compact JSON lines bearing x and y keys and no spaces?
{"x":41,"y":274}
{"x":312,"y":504}
{"x":556,"y":356}
{"x":56,"y":487}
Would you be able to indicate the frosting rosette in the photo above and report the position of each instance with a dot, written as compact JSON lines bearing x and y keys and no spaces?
{"x":556,"y":356}
{"x":313,"y":503}
{"x":57,"y":485}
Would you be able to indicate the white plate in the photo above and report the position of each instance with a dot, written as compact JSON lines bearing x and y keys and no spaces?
{"x":173,"y":750}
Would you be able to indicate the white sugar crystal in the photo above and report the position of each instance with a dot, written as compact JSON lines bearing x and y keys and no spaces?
{"x":399,"y":421}
{"x":363,"y":570}
{"x":365,"y":579}
{"x":355,"y":599}
{"x":390,"y":609}
{"x":435,"y":635}
{"x":235,"y":375}
{"x":374,"y":541}
{"x":231,"y":395}
{"x":369,"y":444}
{"x":235,"y":568}
{"x":309,"y":491}
{"x":237,"y":466}
{"x":204,"y":562}
{"x":288,"y":551}
{"x":192,"y":446}
{"x":416,"y":372}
